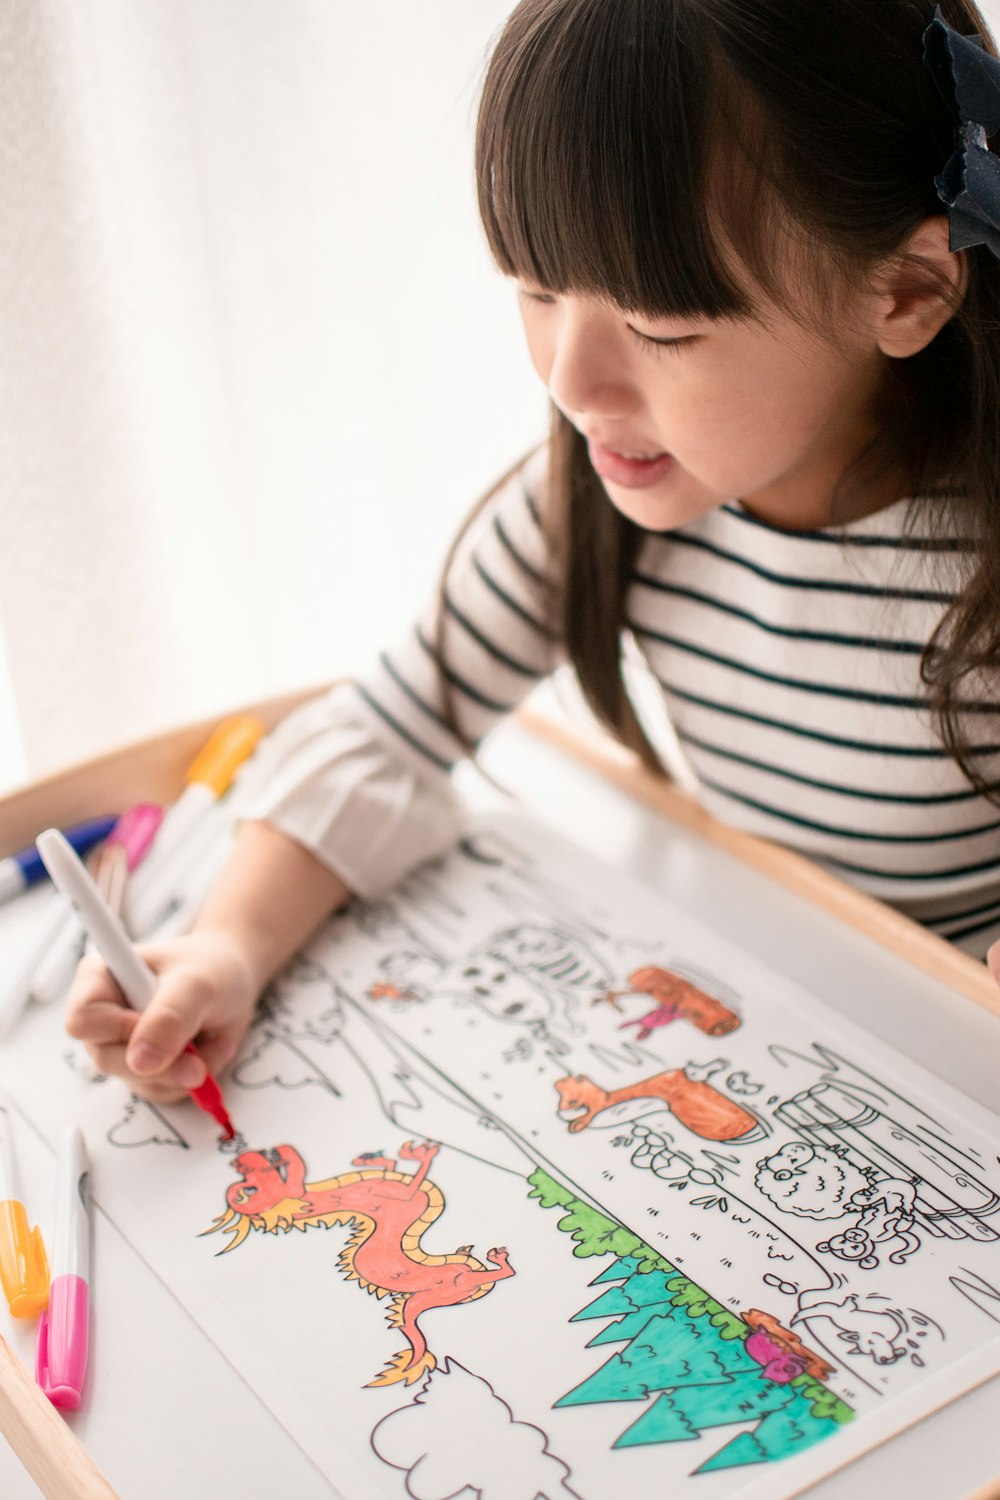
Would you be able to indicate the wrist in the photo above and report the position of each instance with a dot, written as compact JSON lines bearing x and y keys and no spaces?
{"x":270,"y":897}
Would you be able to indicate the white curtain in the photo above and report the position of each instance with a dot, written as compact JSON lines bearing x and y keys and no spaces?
{"x":255,"y":363}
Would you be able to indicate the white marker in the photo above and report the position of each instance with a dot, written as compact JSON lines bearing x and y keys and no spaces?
{"x":208,"y":777}
{"x":136,"y":980}
{"x":122,"y":851}
{"x":55,"y":926}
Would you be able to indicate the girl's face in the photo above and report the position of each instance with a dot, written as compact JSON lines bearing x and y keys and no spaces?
{"x":681,"y":415}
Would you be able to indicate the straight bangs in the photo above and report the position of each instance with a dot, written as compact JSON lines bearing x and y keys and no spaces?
{"x":594,"y":145}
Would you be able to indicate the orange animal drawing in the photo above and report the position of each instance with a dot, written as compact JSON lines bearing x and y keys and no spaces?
{"x":676,"y":999}
{"x":698,"y":1105}
{"x":389,"y":1213}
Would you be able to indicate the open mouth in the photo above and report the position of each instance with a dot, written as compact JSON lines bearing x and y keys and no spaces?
{"x":631,"y":471}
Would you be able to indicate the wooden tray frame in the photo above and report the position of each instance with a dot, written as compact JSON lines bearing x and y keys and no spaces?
{"x":153,"y":770}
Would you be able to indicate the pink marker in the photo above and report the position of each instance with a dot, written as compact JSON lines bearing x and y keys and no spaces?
{"x":50,"y":973}
{"x":124,"y":848}
{"x":64,"y":1330}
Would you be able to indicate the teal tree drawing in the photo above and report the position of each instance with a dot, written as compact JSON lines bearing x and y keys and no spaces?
{"x":684,"y":1374}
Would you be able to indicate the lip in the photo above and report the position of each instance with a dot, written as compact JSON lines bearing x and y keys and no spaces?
{"x":630,"y":473}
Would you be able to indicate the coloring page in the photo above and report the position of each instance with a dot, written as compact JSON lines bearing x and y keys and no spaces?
{"x":543,"y":1187}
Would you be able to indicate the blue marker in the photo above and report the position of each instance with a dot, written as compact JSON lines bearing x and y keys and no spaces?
{"x":18,"y":871}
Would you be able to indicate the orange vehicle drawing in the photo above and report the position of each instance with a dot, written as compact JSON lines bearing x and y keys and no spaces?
{"x":676,"y":999}
{"x":389,"y":1212}
{"x":699,"y":1106}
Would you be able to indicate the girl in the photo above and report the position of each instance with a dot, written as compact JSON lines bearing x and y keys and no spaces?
{"x":771,"y":492}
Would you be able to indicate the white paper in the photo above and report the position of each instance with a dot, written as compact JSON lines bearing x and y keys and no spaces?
{"x":630,"y":1212}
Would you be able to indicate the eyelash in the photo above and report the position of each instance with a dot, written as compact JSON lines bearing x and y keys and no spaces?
{"x":647,"y":340}
{"x":660,"y":345}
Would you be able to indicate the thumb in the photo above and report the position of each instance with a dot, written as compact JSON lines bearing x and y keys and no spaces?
{"x":163,"y":1031}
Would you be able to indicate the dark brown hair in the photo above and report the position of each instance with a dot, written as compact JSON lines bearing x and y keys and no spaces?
{"x":620,"y":143}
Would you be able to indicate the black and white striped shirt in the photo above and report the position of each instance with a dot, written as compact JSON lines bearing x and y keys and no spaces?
{"x":781,"y":681}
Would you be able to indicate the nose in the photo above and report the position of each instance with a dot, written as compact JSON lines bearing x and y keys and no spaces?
{"x":590,"y":373}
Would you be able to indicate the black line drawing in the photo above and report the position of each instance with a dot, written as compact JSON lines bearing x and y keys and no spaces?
{"x":142,"y":1124}
{"x":499,"y":1457}
{"x":741,"y":1083}
{"x":275,"y":1058}
{"x":530,"y":976}
{"x":812,"y":1182}
{"x":804,"y":1179}
{"x":869,"y":1325}
{"x":980,"y":1292}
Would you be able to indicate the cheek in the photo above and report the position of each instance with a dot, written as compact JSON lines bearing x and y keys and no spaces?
{"x":541,"y":347}
{"x":740,"y":430}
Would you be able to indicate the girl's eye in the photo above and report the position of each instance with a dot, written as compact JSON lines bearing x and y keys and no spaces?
{"x":548,"y":298}
{"x":674,"y":344}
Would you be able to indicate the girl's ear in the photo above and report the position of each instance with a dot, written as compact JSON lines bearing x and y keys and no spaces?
{"x":920,"y":288}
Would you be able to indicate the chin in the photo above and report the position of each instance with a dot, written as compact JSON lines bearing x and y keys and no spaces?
{"x":655,"y":511}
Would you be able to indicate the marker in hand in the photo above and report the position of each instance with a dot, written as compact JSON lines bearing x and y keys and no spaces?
{"x":135,"y":978}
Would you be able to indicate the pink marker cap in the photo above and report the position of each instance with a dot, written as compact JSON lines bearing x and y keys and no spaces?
{"x":63,"y":1340}
{"x":136,"y":830}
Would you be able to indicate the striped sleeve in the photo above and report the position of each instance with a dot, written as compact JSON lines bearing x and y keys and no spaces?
{"x":361,"y":776}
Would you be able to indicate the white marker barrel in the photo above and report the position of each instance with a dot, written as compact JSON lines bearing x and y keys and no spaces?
{"x":71,"y":1252}
{"x":137,"y":980}
{"x":8,"y":1184}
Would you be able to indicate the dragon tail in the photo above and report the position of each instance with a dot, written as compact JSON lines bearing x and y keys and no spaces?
{"x":409,"y":1364}
{"x":403,"y":1366}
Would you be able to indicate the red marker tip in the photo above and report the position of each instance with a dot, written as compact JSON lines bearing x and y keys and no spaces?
{"x":208,"y":1096}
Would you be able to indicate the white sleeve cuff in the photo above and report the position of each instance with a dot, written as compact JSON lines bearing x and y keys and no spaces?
{"x":368,"y":813}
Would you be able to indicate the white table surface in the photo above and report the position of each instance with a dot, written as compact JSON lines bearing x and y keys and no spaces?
{"x":167,"y":1416}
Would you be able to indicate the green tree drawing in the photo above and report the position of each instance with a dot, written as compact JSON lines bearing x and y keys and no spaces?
{"x":684,"y":1349}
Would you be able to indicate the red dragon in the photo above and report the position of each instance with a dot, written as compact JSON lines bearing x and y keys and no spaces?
{"x":389,"y":1213}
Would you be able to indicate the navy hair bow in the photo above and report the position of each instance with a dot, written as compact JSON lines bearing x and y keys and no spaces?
{"x":969,"y":79}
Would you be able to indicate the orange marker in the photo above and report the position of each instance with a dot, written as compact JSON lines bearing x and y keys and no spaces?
{"x":24,"y":1268}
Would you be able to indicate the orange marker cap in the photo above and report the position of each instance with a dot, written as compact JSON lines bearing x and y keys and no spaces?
{"x":224,"y":752}
{"x":24,"y":1266}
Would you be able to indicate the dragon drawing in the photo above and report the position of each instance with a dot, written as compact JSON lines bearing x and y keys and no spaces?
{"x":388,"y":1212}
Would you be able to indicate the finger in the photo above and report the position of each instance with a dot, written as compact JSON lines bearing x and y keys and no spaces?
{"x":173,"y":1018}
{"x":100,"y":1022}
{"x":166,"y":1088}
{"x":218,"y":1046}
{"x":993,"y":960}
{"x":92,"y":985}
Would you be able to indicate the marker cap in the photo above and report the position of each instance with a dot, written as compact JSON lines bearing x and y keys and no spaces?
{"x":63,"y":1342}
{"x":232,"y":743}
{"x":82,"y":837}
{"x":135,"y":831}
{"x":24,"y":1266}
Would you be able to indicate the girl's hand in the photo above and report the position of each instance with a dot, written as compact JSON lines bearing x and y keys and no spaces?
{"x":206,"y":994}
{"x":993,"y":960}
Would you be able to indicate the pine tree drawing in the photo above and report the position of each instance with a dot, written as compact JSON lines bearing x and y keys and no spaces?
{"x":685,"y":1355}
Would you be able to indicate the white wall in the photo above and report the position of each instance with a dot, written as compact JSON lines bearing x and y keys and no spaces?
{"x":255,"y":363}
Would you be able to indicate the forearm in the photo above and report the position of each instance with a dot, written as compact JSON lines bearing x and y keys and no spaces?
{"x":270,"y":896}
